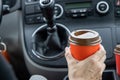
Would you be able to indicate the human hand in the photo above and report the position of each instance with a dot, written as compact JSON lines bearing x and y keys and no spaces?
{"x":90,"y":68}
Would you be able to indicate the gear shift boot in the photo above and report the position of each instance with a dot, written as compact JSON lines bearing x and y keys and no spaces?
{"x":49,"y":44}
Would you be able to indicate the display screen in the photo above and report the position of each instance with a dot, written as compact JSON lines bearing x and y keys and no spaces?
{"x":78,"y":5}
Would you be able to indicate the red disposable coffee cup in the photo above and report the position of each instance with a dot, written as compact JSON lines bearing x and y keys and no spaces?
{"x":84,"y":43}
{"x":117,"y":56}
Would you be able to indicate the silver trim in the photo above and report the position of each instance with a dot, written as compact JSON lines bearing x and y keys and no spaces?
{"x":4,"y":45}
{"x":51,"y":1}
{"x":35,"y":53}
{"x":46,"y":25}
{"x":105,"y":11}
{"x":61,"y":11}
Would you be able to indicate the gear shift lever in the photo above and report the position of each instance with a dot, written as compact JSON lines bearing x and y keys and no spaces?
{"x":47,"y":7}
{"x":51,"y":39}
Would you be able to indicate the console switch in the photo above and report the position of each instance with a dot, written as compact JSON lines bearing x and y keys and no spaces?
{"x":29,"y":9}
{"x":32,"y":9}
{"x":78,"y":13}
{"x":30,"y":19}
{"x":102,"y":7}
{"x":29,"y":1}
{"x":37,"y":8}
{"x":39,"y":18}
{"x":83,"y":12}
{"x":33,"y":19}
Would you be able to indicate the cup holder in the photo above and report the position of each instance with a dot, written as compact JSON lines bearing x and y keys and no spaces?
{"x":107,"y":75}
{"x":50,"y":44}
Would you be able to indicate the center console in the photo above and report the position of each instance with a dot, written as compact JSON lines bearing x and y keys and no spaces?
{"x":99,"y":15}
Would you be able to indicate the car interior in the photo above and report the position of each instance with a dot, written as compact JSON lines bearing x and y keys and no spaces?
{"x":36,"y":32}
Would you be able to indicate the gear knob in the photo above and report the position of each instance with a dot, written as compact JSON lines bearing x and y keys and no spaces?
{"x":47,"y":7}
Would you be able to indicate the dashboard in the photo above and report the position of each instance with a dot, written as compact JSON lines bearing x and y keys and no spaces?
{"x":99,"y":15}
{"x":102,"y":16}
{"x":78,"y":14}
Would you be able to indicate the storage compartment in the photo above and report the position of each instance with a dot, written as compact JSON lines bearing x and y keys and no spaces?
{"x":107,"y":75}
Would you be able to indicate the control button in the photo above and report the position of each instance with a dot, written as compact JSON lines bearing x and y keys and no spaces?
{"x":82,"y":10}
{"x":39,"y":18}
{"x":74,"y":15}
{"x":82,"y":14}
{"x":58,"y":11}
{"x":73,"y":11}
{"x":37,"y":8}
{"x":90,"y":12}
{"x":30,"y":19}
{"x":117,"y":12}
{"x":29,"y":9}
{"x":79,"y":15}
{"x":102,"y":7}
{"x":29,"y":1}
{"x":78,"y":12}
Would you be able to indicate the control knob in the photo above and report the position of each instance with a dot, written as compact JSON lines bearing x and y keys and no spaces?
{"x":102,"y":7}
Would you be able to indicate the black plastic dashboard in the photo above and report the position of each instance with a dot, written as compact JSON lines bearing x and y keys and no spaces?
{"x":100,"y":15}
{"x":18,"y":28}
{"x":73,"y":17}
